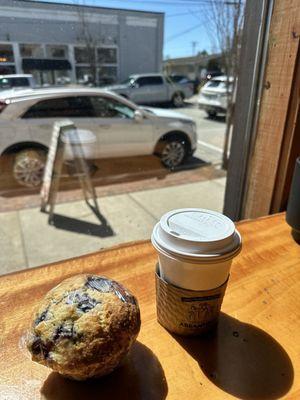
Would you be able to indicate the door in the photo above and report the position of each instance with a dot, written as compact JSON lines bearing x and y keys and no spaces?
{"x":149,"y":89}
{"x":121,"y":135}
{"x":41,"y":117}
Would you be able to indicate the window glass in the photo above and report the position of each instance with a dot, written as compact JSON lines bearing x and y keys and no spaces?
{"x":150,"y":80}
{"x":107,"y":75}
{"x":213,"y":84}
{"x":6,"y":83}
{"x":83,"y":74}
{"x":6,"y":53}
{"x":109,"y":108}
{"x":81,"y":55}
{"x":31,"y":50}
{"x":107,"y":55}
{"x":7,"y":69}
{"x":61,"y":107}
{"x":56,"y":51}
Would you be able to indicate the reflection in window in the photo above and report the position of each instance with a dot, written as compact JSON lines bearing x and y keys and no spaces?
{"x":31,"y":50}
{"x":6,"y":53}
{"x":109,"y":108}
{"x":107,"y":55}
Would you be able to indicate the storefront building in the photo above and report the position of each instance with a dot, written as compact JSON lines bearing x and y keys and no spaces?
{"x":61,"y":43}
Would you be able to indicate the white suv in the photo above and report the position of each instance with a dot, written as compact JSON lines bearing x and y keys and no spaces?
{"x":213,"y":97}
{"x":120,"y":127}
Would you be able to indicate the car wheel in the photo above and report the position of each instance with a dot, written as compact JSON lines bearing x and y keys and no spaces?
{"x":28,"y":167}
{"x":178,"y":100}
{"x":211,"y":114}
{"x":173,"y":152}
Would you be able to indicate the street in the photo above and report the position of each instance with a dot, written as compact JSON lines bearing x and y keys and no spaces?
{"x":210,"y":132}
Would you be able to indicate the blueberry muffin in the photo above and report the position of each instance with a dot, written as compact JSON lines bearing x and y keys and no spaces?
{"x":84,"y":327}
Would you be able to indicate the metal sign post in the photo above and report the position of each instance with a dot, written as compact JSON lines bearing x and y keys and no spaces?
{"x":65,"y":132}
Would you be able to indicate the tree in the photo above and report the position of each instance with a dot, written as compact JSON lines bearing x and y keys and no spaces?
{"x":90,"y":40}
{"x":225,"y":21}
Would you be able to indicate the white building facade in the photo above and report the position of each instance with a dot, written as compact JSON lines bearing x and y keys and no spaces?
{"x":60,"y":43}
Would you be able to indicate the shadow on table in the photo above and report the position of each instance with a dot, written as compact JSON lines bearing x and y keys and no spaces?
{"x":140,"y":377}
{"x":242,"y":360}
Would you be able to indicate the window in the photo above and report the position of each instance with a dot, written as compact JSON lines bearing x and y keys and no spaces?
{"x":61,"y":107}
{"x":82,"y":55}
{"x":31,"y":50}
{"x":109,"y":108}
{"x":6,"y":83}
{"x":83,"y":74}
{"x":107,"y":75}
{"x":149,"y":80}
{"x":54,"y":51}
{"x":6,"y":53}
{"x":107,"y":55}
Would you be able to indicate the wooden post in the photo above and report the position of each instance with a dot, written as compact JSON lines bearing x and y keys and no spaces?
{"x":262,"y":153}
{"x":275,"y":101}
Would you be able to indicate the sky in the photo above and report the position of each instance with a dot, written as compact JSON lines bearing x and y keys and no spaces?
{"x":184,"y":22}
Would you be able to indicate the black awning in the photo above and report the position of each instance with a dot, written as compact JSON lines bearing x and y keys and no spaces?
{"x":44,"y":64}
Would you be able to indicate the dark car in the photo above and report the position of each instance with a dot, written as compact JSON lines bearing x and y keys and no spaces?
{"x":184,"y":80}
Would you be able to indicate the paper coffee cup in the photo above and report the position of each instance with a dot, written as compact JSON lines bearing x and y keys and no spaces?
{"x":195,"y":248}
{"x":195,"y":251}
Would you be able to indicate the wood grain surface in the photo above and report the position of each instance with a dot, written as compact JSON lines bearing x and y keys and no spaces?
{"x":283,"y":52}
{"x":254,"y":353}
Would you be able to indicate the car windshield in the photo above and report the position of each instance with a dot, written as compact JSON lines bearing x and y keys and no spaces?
{"x":218,"y":84}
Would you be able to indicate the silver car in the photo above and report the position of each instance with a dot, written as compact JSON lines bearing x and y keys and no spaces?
{"x":120,"y":127}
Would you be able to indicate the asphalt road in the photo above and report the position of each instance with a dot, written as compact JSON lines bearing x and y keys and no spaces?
{"x":210,"y":133}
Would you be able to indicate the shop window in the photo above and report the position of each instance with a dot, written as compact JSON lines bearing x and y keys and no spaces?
{"x":31,"y":51}
{"x":6,"y":53}
{"x":107,"y":55}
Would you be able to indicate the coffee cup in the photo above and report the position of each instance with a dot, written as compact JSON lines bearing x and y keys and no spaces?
{"x":195,"y":252}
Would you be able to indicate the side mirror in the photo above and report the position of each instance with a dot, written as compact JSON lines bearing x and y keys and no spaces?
{"x":138,"y":115}
{"x":134,"y":85}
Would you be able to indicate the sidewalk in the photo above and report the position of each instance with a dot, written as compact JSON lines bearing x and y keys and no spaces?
{"x":28,"y":241}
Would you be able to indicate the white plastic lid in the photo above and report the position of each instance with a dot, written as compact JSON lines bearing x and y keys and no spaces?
{"x":196,"y":233}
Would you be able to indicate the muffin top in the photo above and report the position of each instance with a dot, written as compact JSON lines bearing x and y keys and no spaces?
{"x":82,"y":317}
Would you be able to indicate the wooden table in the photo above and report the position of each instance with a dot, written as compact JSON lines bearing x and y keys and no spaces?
{"x":254,"y":354}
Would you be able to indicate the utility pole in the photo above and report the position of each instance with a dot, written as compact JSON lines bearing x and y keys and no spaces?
{"x":194,"y":45}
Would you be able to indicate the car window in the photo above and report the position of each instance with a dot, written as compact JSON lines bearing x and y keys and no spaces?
{"x":149,"y":80}
{"x":213,"y":84}
{"x":6,"y":83}
{"x":110,"y":108}
{"x":61,"y":107}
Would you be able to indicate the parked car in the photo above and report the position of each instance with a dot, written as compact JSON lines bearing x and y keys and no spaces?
{"x":8,"y":82}
{"x":213,"y":97}
{"x":121,"y":128}
{"x":152,"y":88}
{"x":183,"y":80}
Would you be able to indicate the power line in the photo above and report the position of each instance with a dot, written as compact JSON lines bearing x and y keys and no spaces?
{"x":182,"y":13}
{"x":183,"y":32}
